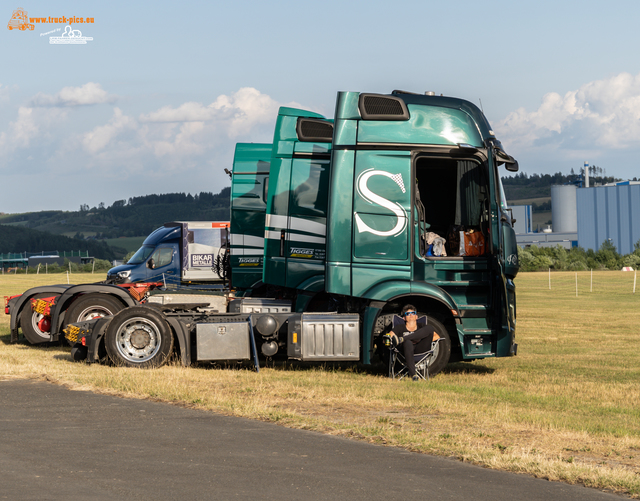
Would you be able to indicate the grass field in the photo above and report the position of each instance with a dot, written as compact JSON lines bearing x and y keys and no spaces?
{"x":566,"y":408}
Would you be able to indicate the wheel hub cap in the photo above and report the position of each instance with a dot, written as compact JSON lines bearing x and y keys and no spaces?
{"x":140,"y":338}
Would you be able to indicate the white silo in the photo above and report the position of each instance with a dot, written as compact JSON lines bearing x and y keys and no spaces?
{"x":564,"y":213}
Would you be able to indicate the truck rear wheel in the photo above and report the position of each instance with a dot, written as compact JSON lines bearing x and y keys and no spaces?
{"x":33,"y":324}
{"x":139,"y":337}
{"x":90,"y":306}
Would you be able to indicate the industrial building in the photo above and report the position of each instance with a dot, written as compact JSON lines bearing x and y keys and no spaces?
{"x":586,"y":217}
{"x":609,"y":213}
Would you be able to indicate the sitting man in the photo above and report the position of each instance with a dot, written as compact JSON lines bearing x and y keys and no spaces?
{"x":413,"y":336}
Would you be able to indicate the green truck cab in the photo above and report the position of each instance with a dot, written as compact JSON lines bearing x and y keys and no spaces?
{"x":351,"y":205}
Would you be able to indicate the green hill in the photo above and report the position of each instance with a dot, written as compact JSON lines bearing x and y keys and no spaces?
{"x":127,"y":220}
{"x":136,"y":217}
{"x":15,"y":239}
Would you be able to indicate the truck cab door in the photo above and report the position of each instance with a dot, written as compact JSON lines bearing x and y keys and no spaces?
{"x":382,"y":218}
{"x":509,"y":266}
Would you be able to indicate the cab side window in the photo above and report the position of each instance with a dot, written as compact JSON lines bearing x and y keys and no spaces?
{"x":162,"y":257}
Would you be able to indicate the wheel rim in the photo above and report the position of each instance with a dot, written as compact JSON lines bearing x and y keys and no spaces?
{"x":138,"y":340}
{"x":434,"y":357}
{"x":92,"y":312}
{"x":35,"y":319}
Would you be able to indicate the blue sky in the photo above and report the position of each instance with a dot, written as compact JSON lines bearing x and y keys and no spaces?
{"x":157,"y":100}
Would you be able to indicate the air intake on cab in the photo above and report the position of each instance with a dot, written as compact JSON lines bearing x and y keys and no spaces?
{"x":381,"y":107}
{"x":314,"y":130}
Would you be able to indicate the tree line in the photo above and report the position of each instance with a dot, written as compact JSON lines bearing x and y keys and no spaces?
{"x":558,"y":258}
{"x":522,"y":185}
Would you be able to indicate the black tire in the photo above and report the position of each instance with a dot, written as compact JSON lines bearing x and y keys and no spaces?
{"x":79,"y":352}
{"x":29,"y":321}
{"x":442,"y":353}
{"x":139,"y":337}
{"x":90,"y":306}
{"x":440,"y":359}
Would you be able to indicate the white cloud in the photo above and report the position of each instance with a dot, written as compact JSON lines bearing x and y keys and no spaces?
{"x":32,"y":123}
{"x":600,"y":115}
{"x":24,"y":128}
{"x":239,"y":112}
{"x":181,"y":148}
{"x":189,"y":130}
{"x":5,"y":90}
{"x":101,"y":136}
{"x":89,"y":93}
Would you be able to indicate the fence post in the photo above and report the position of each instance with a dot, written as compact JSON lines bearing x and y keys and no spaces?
{"x":67,"y":277}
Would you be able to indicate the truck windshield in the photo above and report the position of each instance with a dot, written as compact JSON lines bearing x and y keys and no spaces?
{"x":141,"y":255}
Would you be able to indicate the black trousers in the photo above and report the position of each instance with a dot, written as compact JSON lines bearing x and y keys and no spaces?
{"x":419,"y":341}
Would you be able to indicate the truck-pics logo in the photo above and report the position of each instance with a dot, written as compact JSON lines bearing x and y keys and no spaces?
{"x":19,"y":21}
{"x":372,"y":198}
{"x":201,"y":260}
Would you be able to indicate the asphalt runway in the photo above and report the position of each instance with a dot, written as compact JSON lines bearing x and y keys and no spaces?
{"x":58,"y":444}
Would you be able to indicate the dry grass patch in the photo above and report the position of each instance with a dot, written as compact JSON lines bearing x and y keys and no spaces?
{"x":566,"y":408}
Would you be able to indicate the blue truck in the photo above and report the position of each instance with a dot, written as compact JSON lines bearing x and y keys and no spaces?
{"x":175,"y":262}
{"x":177,"y":253}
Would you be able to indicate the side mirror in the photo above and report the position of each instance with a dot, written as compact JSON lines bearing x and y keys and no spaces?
{"x":513,"y":167}
{"x":511,"y":164}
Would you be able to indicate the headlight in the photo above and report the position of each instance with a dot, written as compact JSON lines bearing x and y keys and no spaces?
{"x":124,"y":274}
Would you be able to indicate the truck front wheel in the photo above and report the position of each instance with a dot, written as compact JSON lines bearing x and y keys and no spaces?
{"x":440,"y":357}
{"x":139,"y":337}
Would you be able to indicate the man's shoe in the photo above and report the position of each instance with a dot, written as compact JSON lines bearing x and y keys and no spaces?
{"x":415,"y":378}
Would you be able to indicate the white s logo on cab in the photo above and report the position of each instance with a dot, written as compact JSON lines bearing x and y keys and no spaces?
{"x":371,"y":197}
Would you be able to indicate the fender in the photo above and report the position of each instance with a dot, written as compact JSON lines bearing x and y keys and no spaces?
{"x":18,"y":305}
{"x":97,"y":333}
{"x":181,"y":332}
{"x":61,"y":304}
{"x":393,"y":289}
